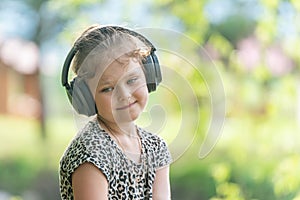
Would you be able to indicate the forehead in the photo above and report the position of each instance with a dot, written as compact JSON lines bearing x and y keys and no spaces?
{"x":119,"y":68}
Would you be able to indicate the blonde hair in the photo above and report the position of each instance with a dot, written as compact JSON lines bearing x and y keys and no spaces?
{"x":99,"y":46}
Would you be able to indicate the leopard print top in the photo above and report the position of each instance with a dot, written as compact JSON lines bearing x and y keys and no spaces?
{"x":126,"y":178}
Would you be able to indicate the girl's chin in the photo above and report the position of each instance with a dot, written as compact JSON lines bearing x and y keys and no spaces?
{"x":129,"y":115}
{"x":126,"y":119}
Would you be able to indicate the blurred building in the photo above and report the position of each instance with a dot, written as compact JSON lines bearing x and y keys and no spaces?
{"x":19,"y":78}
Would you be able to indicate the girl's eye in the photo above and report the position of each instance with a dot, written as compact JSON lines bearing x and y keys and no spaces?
{"x":108,"y":89}
{"x":132,"y":80}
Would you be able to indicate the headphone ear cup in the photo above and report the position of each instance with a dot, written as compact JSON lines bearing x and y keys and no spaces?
{"x":158,"y":75}
{"x":152,"y":72}
{"x":149,"y":73}
{"x":81,"y":97}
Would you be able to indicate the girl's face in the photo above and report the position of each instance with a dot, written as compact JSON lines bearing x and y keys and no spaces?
{"x":121,"y":94}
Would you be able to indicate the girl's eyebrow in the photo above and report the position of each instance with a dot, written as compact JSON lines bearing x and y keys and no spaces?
{"x":105,"y":80}
{"x":134,"y":72}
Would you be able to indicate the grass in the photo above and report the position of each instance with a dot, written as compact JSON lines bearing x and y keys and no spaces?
{"x":27,"y":160}
{"x":22,"y":137}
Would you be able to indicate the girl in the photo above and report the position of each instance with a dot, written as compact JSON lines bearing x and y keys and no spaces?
{"x":111,"y":157}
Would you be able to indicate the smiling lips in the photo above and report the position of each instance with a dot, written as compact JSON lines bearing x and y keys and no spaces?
{"x":127,"y":106}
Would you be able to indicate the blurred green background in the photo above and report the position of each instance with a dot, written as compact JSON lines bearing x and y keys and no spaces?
{"x":255,"y":45}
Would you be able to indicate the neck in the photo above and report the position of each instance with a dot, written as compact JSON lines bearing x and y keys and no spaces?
{"x":123,"y":129}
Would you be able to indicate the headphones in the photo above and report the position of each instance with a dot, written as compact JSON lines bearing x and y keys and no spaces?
{"x":78,"y":91}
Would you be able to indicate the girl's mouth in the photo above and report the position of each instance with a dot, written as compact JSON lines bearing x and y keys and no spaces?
{"x":127,"y":106}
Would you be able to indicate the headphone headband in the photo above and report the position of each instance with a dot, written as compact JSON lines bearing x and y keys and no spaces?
{"x":66,"y":67}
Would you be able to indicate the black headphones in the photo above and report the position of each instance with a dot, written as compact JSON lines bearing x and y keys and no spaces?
{"x":78,"y":91}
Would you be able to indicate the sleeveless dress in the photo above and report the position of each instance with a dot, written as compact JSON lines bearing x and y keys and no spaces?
{"x":126,"y":178}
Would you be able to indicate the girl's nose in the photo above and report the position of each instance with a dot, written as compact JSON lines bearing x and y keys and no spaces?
{"x":123,"y":93}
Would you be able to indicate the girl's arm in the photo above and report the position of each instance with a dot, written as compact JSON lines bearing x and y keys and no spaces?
{"x":89,"y":183}
{"x":161,"y":185}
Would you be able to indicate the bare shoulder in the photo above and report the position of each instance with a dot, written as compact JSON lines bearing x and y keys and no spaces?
{"x":88,"y":182}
